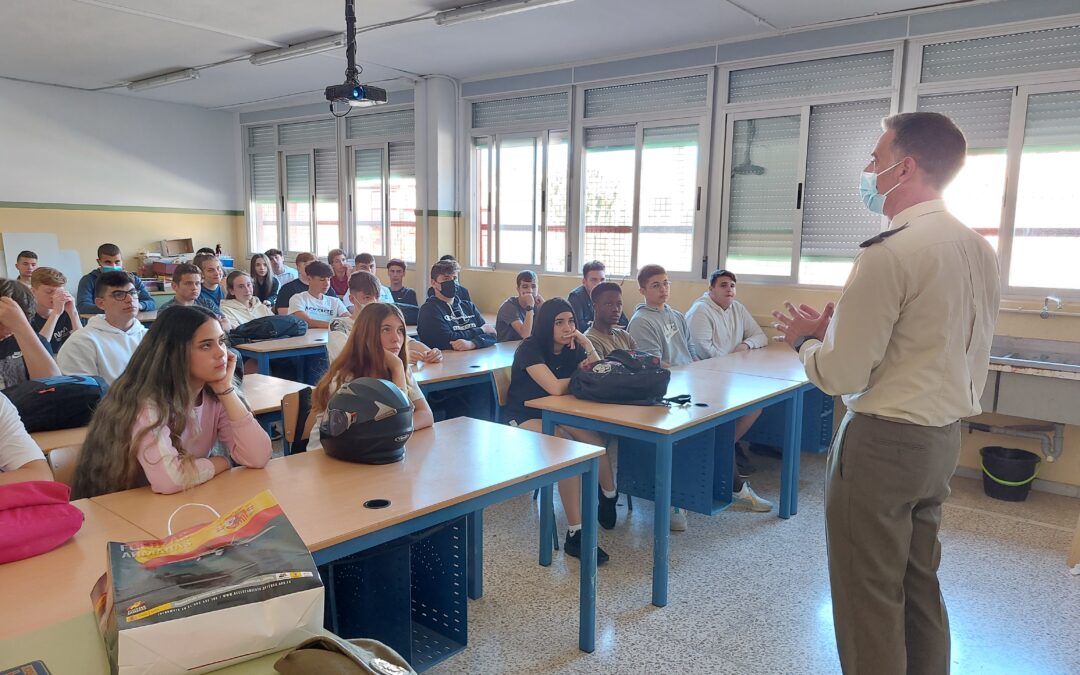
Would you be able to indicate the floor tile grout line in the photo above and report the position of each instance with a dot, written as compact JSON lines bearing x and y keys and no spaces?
{"x":1017,"y":519}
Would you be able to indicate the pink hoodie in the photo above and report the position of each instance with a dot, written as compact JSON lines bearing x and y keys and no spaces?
{"x":167,"y":473}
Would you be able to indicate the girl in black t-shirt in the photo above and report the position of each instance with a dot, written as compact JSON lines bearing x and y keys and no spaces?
{"x":542,"y":367}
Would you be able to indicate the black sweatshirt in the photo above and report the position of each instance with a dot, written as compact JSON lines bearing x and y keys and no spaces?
{"x":439,"y":324}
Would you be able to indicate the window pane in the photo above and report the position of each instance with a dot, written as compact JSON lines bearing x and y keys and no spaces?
{"x":264,"y":203}
{"x":975,"y":196}
{"x":608,"y":202}
{"x":1046,"y":238}
{"x":368,"y":193}
{"x":834,"y":219}
{"x":298,"y":202}
{"x":403,"y":201}
{"x":518,"y":191}
{"x":558,"y":158}
{"x":668,"y":205}
{"x":763,"y":191}
{"x":482,"y":205}
{"x":327,"y":233}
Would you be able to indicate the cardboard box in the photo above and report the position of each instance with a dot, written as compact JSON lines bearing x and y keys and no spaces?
{"x":175,"y":247}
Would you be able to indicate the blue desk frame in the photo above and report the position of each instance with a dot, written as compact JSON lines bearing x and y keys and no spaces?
{"x":473,"y":509}
{"x":789,"y":472}
{"x":264,"y":358}
{"x":483,"y":377}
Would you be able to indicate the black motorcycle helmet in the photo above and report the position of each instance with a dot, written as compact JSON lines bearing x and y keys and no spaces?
{"x":367,"y":421}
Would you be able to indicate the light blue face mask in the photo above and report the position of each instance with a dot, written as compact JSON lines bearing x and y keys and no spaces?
{"x":111,"y":269}
{"x":874,"y":201}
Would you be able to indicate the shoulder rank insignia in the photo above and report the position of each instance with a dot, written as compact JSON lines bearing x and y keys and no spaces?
{"x":881,"y":237}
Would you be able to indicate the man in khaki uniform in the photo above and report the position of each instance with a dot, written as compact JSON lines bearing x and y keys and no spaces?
{"x":908,"y":347}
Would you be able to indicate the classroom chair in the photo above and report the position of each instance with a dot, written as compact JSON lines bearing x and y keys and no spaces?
{"x":297,"y":421}
{"x":63,"y":461}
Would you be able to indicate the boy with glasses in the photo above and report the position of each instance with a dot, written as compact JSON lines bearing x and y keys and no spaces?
{"x":105,"y":345}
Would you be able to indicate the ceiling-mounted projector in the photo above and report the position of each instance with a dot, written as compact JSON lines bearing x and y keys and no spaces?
{"x":351,"y":94}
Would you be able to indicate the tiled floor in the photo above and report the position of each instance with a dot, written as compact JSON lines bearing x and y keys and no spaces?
{"x":749,"y":592}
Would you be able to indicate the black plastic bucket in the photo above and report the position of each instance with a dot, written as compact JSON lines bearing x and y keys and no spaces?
{"x":1008,"y":472}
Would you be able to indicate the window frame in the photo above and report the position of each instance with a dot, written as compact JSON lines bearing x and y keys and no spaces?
{"x":1023,"y":86}
{"x":702,"y":117}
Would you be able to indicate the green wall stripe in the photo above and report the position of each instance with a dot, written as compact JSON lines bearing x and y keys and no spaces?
{"x":110,"y":207}
{"x":435,"y":212}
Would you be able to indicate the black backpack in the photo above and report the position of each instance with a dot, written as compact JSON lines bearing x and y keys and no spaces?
{"x":267,"y":328}
{"x":624,"y":376}
{"x":61,"y":402}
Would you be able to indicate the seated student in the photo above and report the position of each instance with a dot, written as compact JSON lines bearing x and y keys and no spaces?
{"x":542,"y":367}
{"x":299,"y":285}
{"x":592,"y":274}
{"x":187,"y":289}
{"x":282,"y":272}
{"x":448,"y":322}
{"x":720,"y":324}
{"x":365,"y":262}
{"x":109,"y":260}
{"x":656,"y":326}
{"x":55,"y":318}
{"x":263,"y":282}
{"x":23,"y":353}
{"x":363,"y":291}
{"x":241,"y":305}
{"x":314,"y":305}
{"x":395,"y":269}
{"x":205,"y":250}
{"x":21,"y":459}
{"x":605,"y":333}
{"x":212,"y":275}
{"x":160,"y":420}
{"x":106,"y":344}
{"x":340,"y":281}
{"x":515,"y":318}
{"x":26,"y":262}
{"x":375,"y":348}
{"x":462,"y":292}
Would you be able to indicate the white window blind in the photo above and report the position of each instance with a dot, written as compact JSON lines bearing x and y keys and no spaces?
{"x":983,"y":116}
{"x":297,"y":168}
{"x":316,"y":132}
{"x":615,"y":138}
{"x":260,"y":136}
{"x":674,"y":95}
{"x":855,"y":73}
{"x":1053,"y":123}
{"x":540,"y":111}
{"x":403,"y":159}
{"x":264,"y":179}
{"x":834,"y":220}
{"x":380,"y":126}
{"x":368,"y":165}
{"x":326,"y":176}
{"x":1029,"y":52}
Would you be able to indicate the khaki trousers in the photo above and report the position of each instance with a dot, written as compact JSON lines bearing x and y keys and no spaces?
{"x":885,"y":483}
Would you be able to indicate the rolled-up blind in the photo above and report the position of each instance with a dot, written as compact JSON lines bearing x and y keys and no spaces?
{"x":326,"y":176}
{"x":1053,"y":122}
{"x":983,"y":116}
{"x":854,"y":73}
{"x":260,"y":136}
{"x":610,"y":138}
{"x":1030,"y":52}
{"x":264,"y":179}
{"x":541,"y":111}
{"x":673,"y":95}
{"x":380,"y":126}
{"x":402,"y":159}
{"x":308,"y":133}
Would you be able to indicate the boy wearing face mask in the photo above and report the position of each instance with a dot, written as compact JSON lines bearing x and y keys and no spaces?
{"x":109,"y":259}
{"x":447,"y":321}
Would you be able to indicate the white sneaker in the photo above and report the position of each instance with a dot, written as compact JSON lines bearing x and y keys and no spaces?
{"x":678,"y":520}
{"x":748,"y":498}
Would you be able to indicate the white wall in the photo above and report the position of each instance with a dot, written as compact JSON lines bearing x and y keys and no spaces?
{"x":72,"y":147}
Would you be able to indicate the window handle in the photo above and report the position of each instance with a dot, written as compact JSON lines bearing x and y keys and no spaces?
{"x":798,"y":198}
{"x":698,"y":202}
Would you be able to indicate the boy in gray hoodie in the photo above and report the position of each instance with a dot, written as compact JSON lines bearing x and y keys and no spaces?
{"x":656,"y":327}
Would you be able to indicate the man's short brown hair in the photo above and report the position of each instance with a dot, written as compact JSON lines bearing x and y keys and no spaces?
{"x":444,"y":267}
{"x":304,"y":258}
{"x":935,"y":143}
{"x":396,"y":262}
{"x":364,"y":282}
{"x":182,"y":270}
{"x":49,"y":276}
{"x":648,"y":272}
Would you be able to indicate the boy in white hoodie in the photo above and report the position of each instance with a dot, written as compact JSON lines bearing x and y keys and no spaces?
{"x":106,"y":344}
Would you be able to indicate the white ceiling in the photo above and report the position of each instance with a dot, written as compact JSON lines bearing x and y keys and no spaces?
{"x":93,"y":44}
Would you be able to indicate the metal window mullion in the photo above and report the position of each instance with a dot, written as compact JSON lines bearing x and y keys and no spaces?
{"x":639,"y":139}
{"x":1017,"y":121}
{"x":496,"y":216}
{"x":800,"y":179}
{"x":385,"y":168}
{"x":544,"y":140}
{"x":715,"y":177}
{"x":311,"y":200}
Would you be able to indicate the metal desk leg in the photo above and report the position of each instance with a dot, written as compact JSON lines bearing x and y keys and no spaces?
{"x":474,"y":534}
{"x":547,"y":523}
{"x":587,"y":626}
{"x":796,"y":459}
{"x":790,"y":450}
{"x":264,"y":362}
{"x":661,"y":522}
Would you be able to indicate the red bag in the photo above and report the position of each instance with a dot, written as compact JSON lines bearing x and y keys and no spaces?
{"x":35,"y":517}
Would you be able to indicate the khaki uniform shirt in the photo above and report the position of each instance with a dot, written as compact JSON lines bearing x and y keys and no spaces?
{"x":910,"y":339}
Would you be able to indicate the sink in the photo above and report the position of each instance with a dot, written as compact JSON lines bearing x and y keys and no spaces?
{"x":1029,"y":353}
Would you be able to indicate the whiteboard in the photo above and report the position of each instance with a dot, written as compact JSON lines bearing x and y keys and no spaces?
{"x":47,"y":246}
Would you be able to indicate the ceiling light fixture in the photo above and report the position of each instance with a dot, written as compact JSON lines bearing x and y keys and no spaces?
{"x":162,"y":80}
{"x":489,"y":9}
{"x":323,"y":44}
